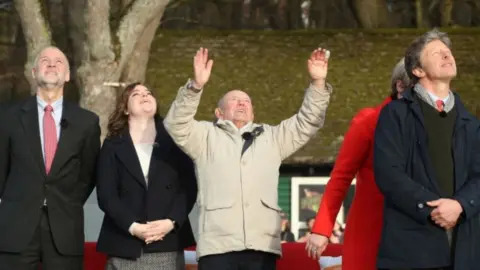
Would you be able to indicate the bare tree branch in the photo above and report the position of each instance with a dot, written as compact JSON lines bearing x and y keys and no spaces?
{"x":36,"y":32}
{"x":135,"y":22}
{"x":138,"y":61}
{"x":76,"y":25}
{"x":99,"y":40}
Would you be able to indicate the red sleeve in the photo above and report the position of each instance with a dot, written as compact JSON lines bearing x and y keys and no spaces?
{"x":353,"y":152}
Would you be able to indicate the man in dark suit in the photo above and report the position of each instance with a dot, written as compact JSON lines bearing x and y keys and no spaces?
{"x":427,"y":165}
{"x":48,"y":150}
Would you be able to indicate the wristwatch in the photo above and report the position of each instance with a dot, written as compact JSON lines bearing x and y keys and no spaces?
{"x":190,"y":86}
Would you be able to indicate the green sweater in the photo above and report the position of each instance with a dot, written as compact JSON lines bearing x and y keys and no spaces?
{"x":439,"y":140}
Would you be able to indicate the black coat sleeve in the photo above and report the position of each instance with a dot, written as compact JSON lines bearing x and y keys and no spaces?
{"x":469,"y":195}
{"x":186,"y":193}
{"x":107,"y":189}
{"x":389,"y":160}
{"x":89,"y":159}
{"x":4,"y":149}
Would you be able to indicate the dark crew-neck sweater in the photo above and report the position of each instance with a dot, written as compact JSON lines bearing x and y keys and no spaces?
{"x":439,"y":140}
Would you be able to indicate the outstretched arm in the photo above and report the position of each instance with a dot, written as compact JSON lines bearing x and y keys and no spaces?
{"x":188,"y":133}
{"x":295,"y":132}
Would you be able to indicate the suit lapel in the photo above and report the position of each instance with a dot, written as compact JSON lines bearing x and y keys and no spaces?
{"x":160,"y":151}
{"x":128,"y":156}
{"x":66,"y":135}
{"x":31,"y":127}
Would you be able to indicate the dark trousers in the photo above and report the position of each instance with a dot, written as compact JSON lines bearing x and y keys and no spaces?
{"x":441,"y":268}
{"x":239,"y":260}
{"x":41,"y":250}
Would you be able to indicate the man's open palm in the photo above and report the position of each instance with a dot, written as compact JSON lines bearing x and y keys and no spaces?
{"x":202,"y":67}
{"x":318,"y":64}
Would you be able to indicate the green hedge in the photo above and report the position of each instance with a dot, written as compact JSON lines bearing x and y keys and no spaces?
{"x":271,"y":67}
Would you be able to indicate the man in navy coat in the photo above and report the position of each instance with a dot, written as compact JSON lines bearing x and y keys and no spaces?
{"x":427,"y":165}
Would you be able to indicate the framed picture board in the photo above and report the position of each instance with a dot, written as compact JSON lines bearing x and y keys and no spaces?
{"x":307,"y":193}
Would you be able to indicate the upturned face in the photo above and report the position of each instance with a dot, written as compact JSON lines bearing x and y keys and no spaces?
{"x":236,"y":106}
{"x":141,"y":102}
{"x":51,"y":69}
{"x":437,"y":62}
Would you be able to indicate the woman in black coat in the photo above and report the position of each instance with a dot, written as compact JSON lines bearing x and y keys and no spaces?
{"x":146,"y":187}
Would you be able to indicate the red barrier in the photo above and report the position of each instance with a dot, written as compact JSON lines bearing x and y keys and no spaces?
{"x":294,"y":257}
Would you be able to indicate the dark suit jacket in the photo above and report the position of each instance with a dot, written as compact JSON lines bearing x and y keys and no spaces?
{"x":405,"y":176}
{"x":124,"y":197}
{"x":24,"y":184}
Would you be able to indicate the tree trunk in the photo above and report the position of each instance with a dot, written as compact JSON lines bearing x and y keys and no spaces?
{"x":36,"y":33}
{"x":295,"y":14}
{"x":318,"y":14}
{"x":371,"y":13}
{"x":102,"y":58}
{"x":419,"y":13}
{"x":447,"y":13}
{"x":137,"y":67}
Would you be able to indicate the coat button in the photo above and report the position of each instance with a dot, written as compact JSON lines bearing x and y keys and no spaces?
{"x":169,"y":186}
{"x":472,"y":202}
{"x":420,"y":205}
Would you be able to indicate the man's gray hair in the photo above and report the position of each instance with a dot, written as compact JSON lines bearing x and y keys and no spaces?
{"x":399,"y":73}
{"x":413,"y":53}
{"x":37,"y":58}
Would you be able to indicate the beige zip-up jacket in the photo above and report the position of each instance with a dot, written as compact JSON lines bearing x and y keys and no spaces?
{"x":237,"y":194}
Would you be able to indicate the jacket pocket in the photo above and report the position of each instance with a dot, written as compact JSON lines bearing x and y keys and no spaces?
{"x":219,"y":218}
{"x":270,"y":204}
{"x":218,"y":204}
{"x":270,"y":217}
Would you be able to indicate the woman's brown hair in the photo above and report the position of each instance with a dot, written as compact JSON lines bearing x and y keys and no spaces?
{"x":118,"y":120}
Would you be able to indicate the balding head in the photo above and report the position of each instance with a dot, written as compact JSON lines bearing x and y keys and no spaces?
{"x":235,"y":106}
{"x":51,"y":68}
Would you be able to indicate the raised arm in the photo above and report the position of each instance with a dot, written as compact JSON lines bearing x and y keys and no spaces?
{"x":188,"y":133}
{"x":295,"y":132}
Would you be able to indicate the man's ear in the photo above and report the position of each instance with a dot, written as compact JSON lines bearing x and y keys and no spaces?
{"x":33,"y":73}
{"x":67,"y":76}
{"x":218,"y":113}
{"x":418,"y":71}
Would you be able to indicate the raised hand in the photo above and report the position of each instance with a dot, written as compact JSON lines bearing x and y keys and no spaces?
{"x":318,"y":64}
{"x":202,"y":68}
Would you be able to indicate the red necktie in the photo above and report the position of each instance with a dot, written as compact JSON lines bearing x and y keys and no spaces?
{"x":49,"y":137}
{"x":440,"y":105}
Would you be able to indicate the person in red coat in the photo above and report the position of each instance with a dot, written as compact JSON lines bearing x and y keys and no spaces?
{"x":364,"y":221}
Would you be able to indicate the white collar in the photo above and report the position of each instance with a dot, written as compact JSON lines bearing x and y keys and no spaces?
{"x":435,"y":98}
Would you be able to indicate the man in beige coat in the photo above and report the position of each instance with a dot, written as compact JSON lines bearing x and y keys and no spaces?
{"x":237,"y":165}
